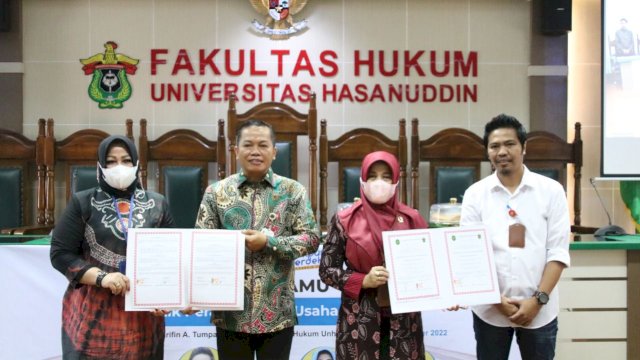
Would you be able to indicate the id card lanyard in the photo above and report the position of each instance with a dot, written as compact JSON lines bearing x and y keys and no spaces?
{"x":125,"y":228}
{"x":516,"y":229}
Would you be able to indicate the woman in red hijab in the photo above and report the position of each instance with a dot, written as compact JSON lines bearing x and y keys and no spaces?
{"x":366,"y":328}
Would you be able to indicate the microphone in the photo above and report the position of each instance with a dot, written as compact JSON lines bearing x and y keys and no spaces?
{"x":607,"y":230}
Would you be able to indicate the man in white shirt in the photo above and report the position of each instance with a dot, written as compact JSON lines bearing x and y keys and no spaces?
{"x":527,"y":218}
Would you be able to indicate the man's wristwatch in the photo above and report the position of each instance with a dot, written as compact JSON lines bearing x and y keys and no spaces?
{"x":542,"y":297}
{"x":101,"y":276}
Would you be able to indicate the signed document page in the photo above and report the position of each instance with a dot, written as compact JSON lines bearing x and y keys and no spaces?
{"x":437,"y":268}
{"x":179,"y":268}
{"x":216,"y":270}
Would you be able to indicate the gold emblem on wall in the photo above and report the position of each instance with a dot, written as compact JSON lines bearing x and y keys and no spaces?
{"x":109,"y":86}
{"x":279,"y":23}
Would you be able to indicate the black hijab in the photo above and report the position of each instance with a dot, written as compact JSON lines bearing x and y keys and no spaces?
{"x":103,"y":150}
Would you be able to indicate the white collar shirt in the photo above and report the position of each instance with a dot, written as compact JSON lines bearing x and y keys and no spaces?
{"x":541,"y":206}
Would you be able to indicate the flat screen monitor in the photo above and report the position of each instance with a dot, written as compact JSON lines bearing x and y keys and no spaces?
{"x":620,"y":155}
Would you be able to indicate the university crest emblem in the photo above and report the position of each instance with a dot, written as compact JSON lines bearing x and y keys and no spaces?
{"x":279,"y":22}
{"x":109,"y":86}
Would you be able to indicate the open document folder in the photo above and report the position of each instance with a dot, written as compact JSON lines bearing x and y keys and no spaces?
{"x":179,"y":268}
{"x":438,"y":268}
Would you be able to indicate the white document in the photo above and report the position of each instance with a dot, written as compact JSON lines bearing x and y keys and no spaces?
{"x":179,"y":268}
{"x":437,"y":268}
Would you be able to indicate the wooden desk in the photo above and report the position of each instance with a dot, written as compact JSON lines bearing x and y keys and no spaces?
{"x":600,"y":300}
{"x":25,"y":239}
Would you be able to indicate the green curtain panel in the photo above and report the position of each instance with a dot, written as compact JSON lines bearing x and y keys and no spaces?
{"x":630,"y":192}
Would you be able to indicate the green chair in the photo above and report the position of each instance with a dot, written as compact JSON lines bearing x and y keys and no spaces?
{"x":347,"y":151}
{"x":20,"y":168}
{"x":182,"y":158}
{"x":76,"y":157}
{"x":454,"y":157}
{"x":549,"y":155}
{"x":289,"y":125}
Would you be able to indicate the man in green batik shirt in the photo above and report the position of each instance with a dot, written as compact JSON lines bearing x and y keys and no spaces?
{"x":279,"y":226}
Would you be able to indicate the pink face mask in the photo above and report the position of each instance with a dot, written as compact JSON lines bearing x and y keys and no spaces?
{"x":378,"y":191}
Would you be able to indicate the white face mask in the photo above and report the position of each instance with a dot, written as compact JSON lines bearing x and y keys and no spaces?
{"x":378,"y":191}
{"x":119,"y":176}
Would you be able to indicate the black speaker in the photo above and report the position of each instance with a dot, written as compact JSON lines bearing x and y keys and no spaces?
{"x":4,"y":15}
{"x":556,"y":16}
